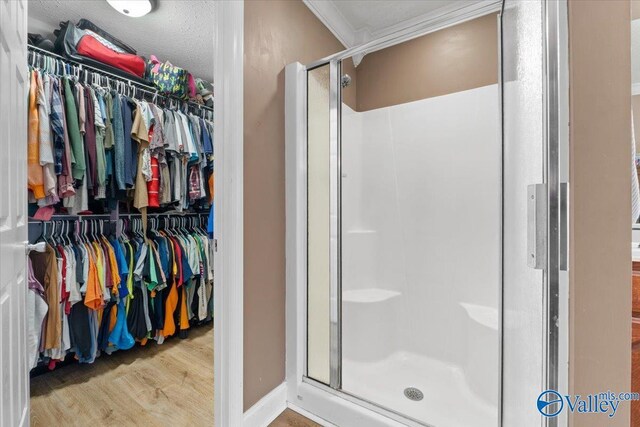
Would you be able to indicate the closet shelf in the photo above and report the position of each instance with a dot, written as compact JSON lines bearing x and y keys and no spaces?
{"x":140,"y":86}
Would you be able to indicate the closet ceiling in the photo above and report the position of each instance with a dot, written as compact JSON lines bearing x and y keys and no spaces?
{"x":178,"y":31}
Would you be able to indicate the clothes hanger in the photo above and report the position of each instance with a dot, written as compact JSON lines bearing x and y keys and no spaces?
{"x":69,"y":234}
{"x":94,"y":230}
{"x":198,"y":226}
{"x":168,"y":226}
{"x":127,"y":228}
{"x":134,"y":227}
{"x":174,"y":227}
{"x":52,"y":232}
{"x":60,"y":239}
{"x":83,"y":232}
{"x":134,"y":223}
{"x":43,"y":232}
{"x":60,"y":233}
{"x":76,"y":232}
{"x":102,"y":235}
{"x":63,"y":236}
{"x":88,"y":231}
{"x":76,"y":226}
{"x":141,"y":229}
{"x":92,"y":233}
{"x":120,"y":231}
{"x":183,"y":228}
{"x":59,"y":229}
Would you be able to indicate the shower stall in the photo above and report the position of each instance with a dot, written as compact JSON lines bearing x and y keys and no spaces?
{"x":414,"y":186}
{"x":410,"y":292}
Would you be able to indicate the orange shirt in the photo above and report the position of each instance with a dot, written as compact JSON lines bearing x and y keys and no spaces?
{"x":211,"y":187}
{"x":93,"y":297}
{"x":113,"y":266}
{"x":34,"y":171}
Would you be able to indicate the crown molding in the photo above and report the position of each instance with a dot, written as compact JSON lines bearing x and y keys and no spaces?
{"x":330,"y":16}
{"x":454,"y":13}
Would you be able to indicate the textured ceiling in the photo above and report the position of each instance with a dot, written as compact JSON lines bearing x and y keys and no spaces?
{"x":178,"y":31}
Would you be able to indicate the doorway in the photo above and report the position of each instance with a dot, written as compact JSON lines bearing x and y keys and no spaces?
{"x":389,"y":216}
{"x":14,"y":21}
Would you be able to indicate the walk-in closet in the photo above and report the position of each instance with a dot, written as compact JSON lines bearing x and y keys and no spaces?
{"x":120,"y":165}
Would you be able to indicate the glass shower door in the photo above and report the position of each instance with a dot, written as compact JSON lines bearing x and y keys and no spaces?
{"x":323,"y":301}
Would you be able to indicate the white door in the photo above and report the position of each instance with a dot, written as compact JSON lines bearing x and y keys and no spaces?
{"x":14,"y":381}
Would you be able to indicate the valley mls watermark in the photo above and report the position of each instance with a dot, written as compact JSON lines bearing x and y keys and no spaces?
{"x":550,"y":403}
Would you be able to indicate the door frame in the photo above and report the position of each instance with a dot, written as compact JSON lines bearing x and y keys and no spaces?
{"x":228,"y":248}
{"x":228,"y":258}
{"x":310,"y":397}
{"x":15,"y":402}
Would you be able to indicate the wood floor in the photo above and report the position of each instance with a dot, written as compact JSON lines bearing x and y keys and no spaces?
{"x":290,"y":418}
{"x":156,"y":385}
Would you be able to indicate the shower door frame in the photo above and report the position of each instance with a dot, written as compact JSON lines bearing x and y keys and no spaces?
{"x":329,"y":402}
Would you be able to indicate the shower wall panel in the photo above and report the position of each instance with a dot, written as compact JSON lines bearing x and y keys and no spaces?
{"x":421,"y":206}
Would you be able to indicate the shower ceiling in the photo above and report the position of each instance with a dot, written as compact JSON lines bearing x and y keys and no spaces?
{"x":355,"y":22}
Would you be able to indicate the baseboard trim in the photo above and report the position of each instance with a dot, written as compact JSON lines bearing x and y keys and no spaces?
{"x":267,"y":409}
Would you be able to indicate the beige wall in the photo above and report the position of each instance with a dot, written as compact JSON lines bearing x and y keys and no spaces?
{"x":600,"y":235}
{"x":635,"y":103}
{"x":281,"y":32}
{"x":276,"y":34}
{"x":635,"y":9}
{"x":454,"y":59}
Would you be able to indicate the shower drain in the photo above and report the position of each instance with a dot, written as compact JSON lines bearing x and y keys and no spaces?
{"x":413,"y":393}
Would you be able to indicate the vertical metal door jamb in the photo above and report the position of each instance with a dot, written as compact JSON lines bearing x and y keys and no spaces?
{"x":335,"y":327}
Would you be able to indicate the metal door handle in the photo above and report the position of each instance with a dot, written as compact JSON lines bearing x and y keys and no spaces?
{"x":537,"y":226}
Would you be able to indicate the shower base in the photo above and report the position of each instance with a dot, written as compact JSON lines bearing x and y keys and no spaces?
{"x":447,"y":402}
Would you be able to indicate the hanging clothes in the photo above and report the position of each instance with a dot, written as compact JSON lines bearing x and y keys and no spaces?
{"x":36,"y":312}
{"x":88,"y":143}
{"x":102,"y":294}
{"x":45,"y":271}
{"x":35,"y":174}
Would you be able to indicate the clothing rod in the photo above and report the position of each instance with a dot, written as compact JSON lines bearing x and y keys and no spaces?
{"x":66,"y":217}
{"x":167,"y":214}
{"x":107,"y":217}
{"x":141,"y":86}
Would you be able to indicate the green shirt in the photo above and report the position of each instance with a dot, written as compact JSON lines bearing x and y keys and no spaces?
{"x":78,"y":165}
